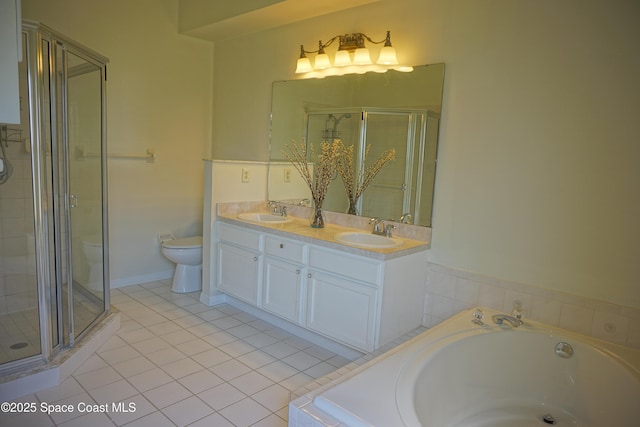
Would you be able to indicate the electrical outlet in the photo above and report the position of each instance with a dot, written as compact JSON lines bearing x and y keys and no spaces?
{"x":287,"y":175}
{"x":245,"y":175}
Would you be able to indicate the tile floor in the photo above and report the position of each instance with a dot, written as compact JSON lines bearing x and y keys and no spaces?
{"x":184,"y":363}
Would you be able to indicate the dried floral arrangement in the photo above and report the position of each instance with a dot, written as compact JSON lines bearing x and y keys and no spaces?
{"x":355,"y":182}
{"x":324,"y":166}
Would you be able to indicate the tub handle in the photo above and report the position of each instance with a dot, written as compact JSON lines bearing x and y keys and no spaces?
{"x":478,"y":315}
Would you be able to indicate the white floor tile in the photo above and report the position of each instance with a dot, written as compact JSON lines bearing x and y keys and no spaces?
{"x":154,"y":419}
{"x":132,"y":367}
{"x":194,"y":347}
{"x":178,"y":361}
{"x":187,"y":411}
{"x":273,"y":398}
{"x":221,"y":396}
{"x":70,"y":387}
{"x":167,"y":394}
{"x":93,"y":420}
{"x":150,"y":379}
{"x":98,"y":377}
{"x":271,"y":421}
{"x":200,"y":381}
{"x":165,"y":356}
{"x":245,"y":412}
{"x":130,"y":409}
{"x":119,"y":354}
{"x":213,"y":420}
{"x":211,"y":357}
{"x":181,"y":368}
{"x":114,"y":392}
{"x":230,"y":369}
{"x":251,"y":382}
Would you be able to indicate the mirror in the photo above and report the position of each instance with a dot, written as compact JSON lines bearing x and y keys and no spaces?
{"x":372,"y":112}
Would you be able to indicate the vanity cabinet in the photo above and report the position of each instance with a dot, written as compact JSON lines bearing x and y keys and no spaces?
{"x":343,"y":296}
{"x":284,"y":274}
{"x":359,"y":301}
{"x":342,"y":309}
{"x":240,"y":263}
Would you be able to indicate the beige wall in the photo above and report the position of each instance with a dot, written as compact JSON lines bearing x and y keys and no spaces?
{"x":538,"y":176}
{"x":159,"y":97}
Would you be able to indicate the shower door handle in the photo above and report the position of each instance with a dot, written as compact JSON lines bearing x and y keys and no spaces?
{"x":73,"y":201}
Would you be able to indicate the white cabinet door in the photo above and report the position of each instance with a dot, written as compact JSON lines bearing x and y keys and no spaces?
{"x":239,"y":272}
{"x":283,"y":289}
{"x":342,"y":309}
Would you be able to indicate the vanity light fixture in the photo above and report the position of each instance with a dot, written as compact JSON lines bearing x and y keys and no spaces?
{"x":351,"y":57}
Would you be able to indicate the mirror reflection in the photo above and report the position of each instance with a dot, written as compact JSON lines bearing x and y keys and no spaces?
{"x":372,"y":113}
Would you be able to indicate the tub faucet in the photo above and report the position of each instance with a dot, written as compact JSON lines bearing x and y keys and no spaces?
{"x":499,"y":319}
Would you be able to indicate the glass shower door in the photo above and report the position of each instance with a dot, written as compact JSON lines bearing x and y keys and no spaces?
{"x":388,"y":196}
{"x":82,"y":186}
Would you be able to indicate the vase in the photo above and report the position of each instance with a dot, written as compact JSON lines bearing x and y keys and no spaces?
{"x":317,"y":218}
{"x":353,"y":210}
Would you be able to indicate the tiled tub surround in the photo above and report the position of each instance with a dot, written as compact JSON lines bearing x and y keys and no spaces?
{"x":450,"y":291}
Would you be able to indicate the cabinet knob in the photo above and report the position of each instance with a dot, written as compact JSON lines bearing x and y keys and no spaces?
{"x":281,"y":245}
{"x":298,"y":271}
{"x":255,"y":258}
{"x":309,"y":275}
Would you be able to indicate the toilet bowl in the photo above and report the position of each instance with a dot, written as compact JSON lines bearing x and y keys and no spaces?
{"x":187,"y":254}
{"x":92,"y":249}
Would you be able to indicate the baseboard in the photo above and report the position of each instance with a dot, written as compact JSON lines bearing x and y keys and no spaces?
{"x":212,"y":300}
{"x":142,"y":278}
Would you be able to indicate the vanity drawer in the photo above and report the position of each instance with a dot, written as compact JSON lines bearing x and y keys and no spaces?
{"x":284,"y":248}
{"x":247,"y":238}
{"x":340,"y":263}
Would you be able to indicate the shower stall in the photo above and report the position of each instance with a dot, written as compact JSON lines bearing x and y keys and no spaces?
{"x":405,"y":185}
{"x":54,"y":271}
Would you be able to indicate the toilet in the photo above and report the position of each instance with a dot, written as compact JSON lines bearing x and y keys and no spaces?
{"x":187,"y":254}
{"x":92,"y":249}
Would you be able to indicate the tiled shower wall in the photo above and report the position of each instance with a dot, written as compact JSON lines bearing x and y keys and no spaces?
{"x":17,"y":253}
{"x":450,"y":291}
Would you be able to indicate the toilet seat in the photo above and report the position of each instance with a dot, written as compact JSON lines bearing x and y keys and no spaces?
{"x":184,"y":243}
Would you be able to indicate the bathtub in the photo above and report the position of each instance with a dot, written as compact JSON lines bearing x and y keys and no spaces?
{"x":463,"y":374}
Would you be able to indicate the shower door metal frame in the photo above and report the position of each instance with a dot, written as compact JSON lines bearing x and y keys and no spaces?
{"x":36,"y":34}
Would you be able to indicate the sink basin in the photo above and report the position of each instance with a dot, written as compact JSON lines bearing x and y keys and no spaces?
{"x":263,"y":217}
{"x":367,"y":240}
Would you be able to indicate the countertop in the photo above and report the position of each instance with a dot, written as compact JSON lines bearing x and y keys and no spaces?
{"x":299,"y":229}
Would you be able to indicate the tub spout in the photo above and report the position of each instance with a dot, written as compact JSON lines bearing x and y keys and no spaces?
{"x":499,"y":319}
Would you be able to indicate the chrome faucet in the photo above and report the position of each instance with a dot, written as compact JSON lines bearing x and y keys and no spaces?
{"x":406,"y":218}
{"x":378,"y":226}
{"x":278,"y":208}
{"x":499,"y":319}
{"x":388,"y":228}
